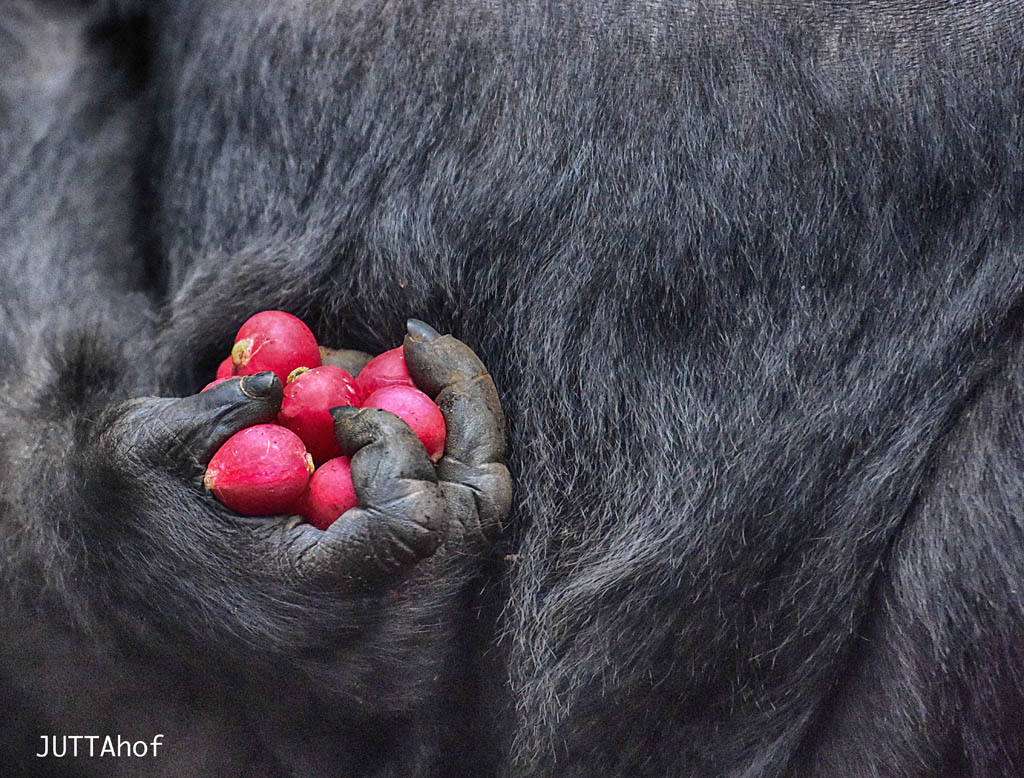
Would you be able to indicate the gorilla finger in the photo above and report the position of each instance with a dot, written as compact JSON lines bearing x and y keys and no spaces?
{"x":367,"y":546}
{"x":450,"y":372}
{"x":347,"y":359}
{"x":387,"y":457}
{"x":478,"y":496}
{"x":474,"y":422}
{"x":194,"y":427}
{"x":435,"y":360}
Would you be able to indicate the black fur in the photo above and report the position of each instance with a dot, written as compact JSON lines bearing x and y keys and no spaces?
{"x":749,"y":282}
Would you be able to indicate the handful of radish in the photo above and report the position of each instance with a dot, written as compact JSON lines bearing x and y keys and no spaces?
{"x":295,"y":465}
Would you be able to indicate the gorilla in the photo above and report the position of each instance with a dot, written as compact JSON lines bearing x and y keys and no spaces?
{"x":748,"y":278}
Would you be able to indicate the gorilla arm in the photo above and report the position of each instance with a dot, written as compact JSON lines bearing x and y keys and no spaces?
{"x":124,"y":543}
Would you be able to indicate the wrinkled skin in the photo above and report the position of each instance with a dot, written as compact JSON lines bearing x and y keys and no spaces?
{"x":747,"y":276}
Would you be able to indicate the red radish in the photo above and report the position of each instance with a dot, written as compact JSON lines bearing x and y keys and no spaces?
{"x":305,"y":410}
{"x":417,"y":410}
{"x":274,"y":340}
{"x":260,"y":471}
{"x":330,"y":493}
{"x":387,"y":369}
{"x":225,"y":369}
{"x":214,"y":382}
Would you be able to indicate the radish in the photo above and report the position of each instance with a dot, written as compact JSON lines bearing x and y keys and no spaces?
{"x":417,"y":410}
{"x":260,"y":471}
{"x":274,"y":340}
{"x":308,"y":397}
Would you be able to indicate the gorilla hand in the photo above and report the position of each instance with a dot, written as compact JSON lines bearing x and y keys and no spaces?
{"x":275,"y":587}
{"x":476,"y":484}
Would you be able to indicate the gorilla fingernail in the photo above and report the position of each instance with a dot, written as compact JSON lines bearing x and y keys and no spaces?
{"x":421,"y":330}
{"x":261,"y":386}
{"x":341,"y":412}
